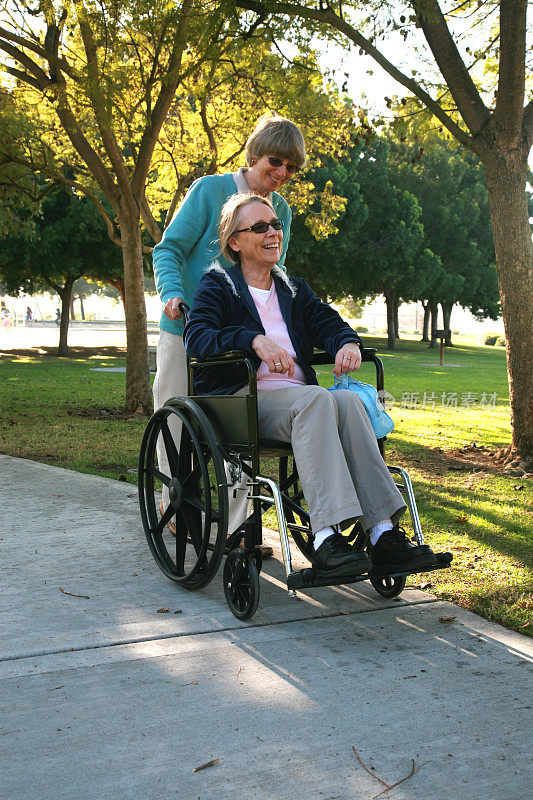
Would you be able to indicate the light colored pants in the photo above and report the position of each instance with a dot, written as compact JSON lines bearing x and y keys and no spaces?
{"x":171,"y":381}
{"x":342,"y":472}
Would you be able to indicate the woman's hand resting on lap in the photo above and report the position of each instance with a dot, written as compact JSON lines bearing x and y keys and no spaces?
{"x":275,"y":357}
{"x":348,"y":359}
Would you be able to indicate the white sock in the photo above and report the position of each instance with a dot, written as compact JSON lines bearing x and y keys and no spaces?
{"x":379,"y":528}
{"x":322,"y":535}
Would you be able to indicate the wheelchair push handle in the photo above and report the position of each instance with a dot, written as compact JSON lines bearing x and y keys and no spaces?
{"x":184,"y":308}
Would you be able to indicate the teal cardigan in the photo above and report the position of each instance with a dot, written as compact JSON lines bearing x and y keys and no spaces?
{"x":190,"y":243}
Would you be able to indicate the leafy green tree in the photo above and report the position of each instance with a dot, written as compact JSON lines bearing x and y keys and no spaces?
{"x":107,"y":75}
{"x":20,"y":194}
{"x":484,"y":112}
{"x":139,"y":99}
{"x":69,"y":241}
{"x":379,"y":246}
{"x":448,"y":183}
{"x":323,"y":262}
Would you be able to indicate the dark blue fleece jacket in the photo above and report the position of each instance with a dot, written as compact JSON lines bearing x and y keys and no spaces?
{"x":224,"y":317}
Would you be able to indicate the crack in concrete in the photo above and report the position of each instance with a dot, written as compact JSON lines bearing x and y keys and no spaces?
{"x":182,"y":634}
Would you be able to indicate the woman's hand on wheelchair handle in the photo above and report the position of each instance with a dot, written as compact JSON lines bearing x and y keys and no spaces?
{"x":348,"y":359}
{"x":275,"y":357}
{"x":171,"y":308}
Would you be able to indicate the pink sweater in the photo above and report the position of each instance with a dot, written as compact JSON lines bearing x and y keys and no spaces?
{"x":266,"y":302}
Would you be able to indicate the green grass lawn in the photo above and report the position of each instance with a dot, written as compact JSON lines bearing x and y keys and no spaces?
{"x":62,"y":412}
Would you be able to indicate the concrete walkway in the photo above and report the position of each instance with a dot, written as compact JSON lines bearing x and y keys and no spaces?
{"x":103,"y":697}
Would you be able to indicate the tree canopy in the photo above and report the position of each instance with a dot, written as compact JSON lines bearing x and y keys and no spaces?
{"x":491,"y":117}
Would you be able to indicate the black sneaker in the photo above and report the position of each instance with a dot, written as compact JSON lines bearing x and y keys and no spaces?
{"x":337,"y":558}
{"x":395,"y":552}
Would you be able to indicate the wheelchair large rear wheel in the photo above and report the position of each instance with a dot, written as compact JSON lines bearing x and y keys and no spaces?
{"x":198,"y":501}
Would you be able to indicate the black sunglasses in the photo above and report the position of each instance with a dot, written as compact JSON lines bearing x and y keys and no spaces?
{"x":262,"y":227}
{"x":277,"y":162}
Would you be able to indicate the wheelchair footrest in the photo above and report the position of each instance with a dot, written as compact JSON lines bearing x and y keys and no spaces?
{"x":443,"y":562}
{"x":309,"y":578}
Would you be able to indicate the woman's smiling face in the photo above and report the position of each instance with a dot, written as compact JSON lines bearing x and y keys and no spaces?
{"x":257,"y":249}
{"x":268,"y":178}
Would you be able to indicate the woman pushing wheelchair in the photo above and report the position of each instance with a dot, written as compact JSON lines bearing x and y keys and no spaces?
{"x":253,"y":306}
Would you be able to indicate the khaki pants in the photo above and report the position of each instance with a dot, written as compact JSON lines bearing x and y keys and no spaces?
{"x":343,"y":475}
{"x":171,"y":381}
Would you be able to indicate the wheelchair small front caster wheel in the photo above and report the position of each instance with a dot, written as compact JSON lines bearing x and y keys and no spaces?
{"x":241,"y":584}
{"x":388,"y":586}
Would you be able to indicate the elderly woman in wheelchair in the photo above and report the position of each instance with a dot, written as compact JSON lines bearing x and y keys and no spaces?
{"x":251,"y":339}
{"x":254,"y":307}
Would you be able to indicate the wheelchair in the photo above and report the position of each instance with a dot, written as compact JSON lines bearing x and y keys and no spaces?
{"x":219,"y":444}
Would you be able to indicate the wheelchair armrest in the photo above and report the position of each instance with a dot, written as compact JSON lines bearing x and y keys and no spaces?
{"x":229,"y":355}
{"x":368,"y":354}
{"x":321,"y":357}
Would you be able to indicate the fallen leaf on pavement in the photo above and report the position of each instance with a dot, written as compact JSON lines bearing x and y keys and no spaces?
{"x":447,"y":620}
{"x":85,"y":597}
{"x":207,"y":764}
{"x":163,"y":610}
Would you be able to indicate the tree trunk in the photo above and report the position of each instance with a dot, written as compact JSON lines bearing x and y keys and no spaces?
{"x":425,"y":327}
{"x":72,"y":312}
{"x":446,"y":318}
{"x":434,"y":310}
{"x":396,"y":321}
{"x":65,"y":294}
{"x":118,"y":284}
{"x":506,"y":181}
{"x":82,"y":309}
{"x":390,"y":299}
{"x":138,"y":391}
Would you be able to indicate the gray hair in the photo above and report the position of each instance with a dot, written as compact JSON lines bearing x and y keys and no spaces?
{"x":229,"y":220}
{"x":276,"y":136}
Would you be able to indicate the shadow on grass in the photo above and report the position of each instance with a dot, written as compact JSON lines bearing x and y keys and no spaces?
{"x":38,"y":353}
{"x":454,"y":506}
{"x":498,"y":518}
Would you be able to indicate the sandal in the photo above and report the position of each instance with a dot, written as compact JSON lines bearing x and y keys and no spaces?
{"x":265,"y":549}
{"x":170,"y":525}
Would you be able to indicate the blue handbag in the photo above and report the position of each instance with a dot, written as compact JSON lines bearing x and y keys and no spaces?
{"x":379,"y":419}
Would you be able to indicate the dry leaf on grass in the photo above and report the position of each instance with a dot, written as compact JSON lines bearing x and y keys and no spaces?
{"x":425,"y":585}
